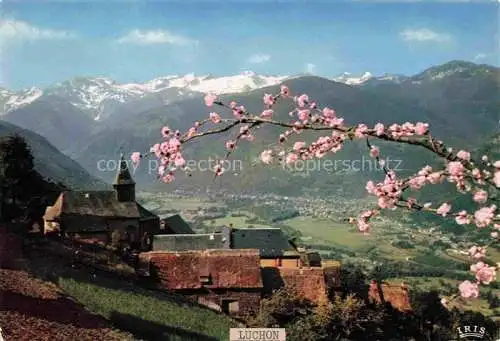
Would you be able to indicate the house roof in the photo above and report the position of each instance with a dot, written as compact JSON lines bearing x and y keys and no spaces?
{"x":101,"y":204}
{"x":177,"y":225}
{"x":123,"y":176}
{"x":226,"y":269}
{"x":186,"y":242}
{"x":271,"y":242}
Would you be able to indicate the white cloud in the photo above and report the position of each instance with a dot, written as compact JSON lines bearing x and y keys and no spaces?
{"x":259,"y":58}
{"x":480,"y":56}
{"x":310,"y":68}
{"x":15,"y":30}
{"x":154,"y":37}
{"x":424,"y":35}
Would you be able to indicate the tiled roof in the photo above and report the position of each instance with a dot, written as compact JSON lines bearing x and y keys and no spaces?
{"x":189,"y":270}
{"x":186,"y":242}
{"x":177,"y":225}
{"x":271,"y":242}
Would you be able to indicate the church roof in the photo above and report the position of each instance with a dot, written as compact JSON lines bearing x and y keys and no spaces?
{"x":123,"y":176}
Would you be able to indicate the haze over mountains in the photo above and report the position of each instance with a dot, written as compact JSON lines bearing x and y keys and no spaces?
{"x":93,"y":119}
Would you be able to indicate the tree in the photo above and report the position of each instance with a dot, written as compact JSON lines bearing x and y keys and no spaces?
{"x":481,"y":178}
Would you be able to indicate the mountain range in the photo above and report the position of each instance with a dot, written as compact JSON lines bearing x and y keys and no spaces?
{"x":92,"y":120}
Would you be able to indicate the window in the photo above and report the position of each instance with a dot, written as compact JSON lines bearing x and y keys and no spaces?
{"x":230,"y":306}
{"x":207,"y":279}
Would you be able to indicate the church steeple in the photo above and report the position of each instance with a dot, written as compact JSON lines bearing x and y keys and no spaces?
{"x":124,"y":185}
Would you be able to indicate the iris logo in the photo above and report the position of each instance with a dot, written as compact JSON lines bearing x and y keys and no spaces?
{"x":474,"y":332}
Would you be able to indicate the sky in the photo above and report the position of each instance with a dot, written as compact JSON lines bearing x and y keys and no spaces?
{"x":44,"y":42}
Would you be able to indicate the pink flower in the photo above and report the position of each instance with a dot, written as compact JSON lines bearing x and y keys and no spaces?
{"x":496,"y":164}
{"x":468,"y":289}
{"x":483,"y":217}
{"x":210,"y":99}
{"x":161,"y":170}
{"x":444,"y":209}
{"x":360,"y":131}
{"x":363,"y":226}
{"x":328,"y":113}
{"x":291,"y":158}
{"x":494,"y":234}
{"x":304,"y":114}
{"x":284,"y":91}
{"x":135,"y":157}
{"x":179,"y":161}
{"x":267,"y":113}
{"x":485,"y":274}
{"x":477,"y":252}
{"x":165,"y":131}
{"x":298,"y":146}
{"x":244,"y":129}
{"x":481,"y":196}
{"x":168,"y":178}
{"x":266,"y":156}
{"x":421,"y":128}
{"x":434,"y":178}
{"x":214,"y":117}
{"x":496,"y":179}
{"x":417,"y":182}
{"x":379,"y":129}
{"x":302,"y":100}
{"x":230,"y":145}
{"x":455,"y":168}
{"x":268,"y":99}
{"x":374,"y":151}
{"x":219,"y":170}
{"x":462,"y":218}
{"x":462,"y":154}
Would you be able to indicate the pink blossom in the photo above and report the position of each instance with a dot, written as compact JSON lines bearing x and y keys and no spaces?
{"x":135,"y":157}
{"x":230,"y":145}
{"x":244,"y":129}
{"x":266,"y":156}
{"x":374,"y":151}
{"x":379,"y":129}
{"x":363,"y":226}
{"x":496,"y":178}
{"x":284,"y":91}
{"x":233,"y":104}
{"x":328,"y":113}
{"x":435,"y":178}
{"x":421,"y":128}
{"x":298,"y":146}
{"x":161,"y":170}
{"x":462,"y":154}
{"x":483,"y":217}
{"x":462,"y":218}
{"x":291,"y":158}
{"x":302,"y":100}
{"x":168,"y":178}
{"x":360,"y":131}
{"x":485,"y":274}
{"x":179,"y":161}
{"x":219,"y":170}
{"x":468,"y":289}
{"x":494,"y":234}
{"x":481,"y":196}
{"x":303,"y":114}
{"x":496,"y":164}
{"x":444,"y":209}
{"x":417,"y":182}
{"x":210,"y":99}
{"x":268,"y":99}
{"x":191,"y":132}
{"x":477,"y":252}
{"x":267,"y":113}
{"x":455,"y":168}
{"x":214,"y":117}
{"x":165,"y":131}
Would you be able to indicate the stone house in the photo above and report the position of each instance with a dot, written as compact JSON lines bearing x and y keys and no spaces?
{"x":228,"y":281}
{"x":109,"y":217}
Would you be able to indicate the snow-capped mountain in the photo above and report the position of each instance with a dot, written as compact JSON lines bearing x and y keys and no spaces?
{"x":98,"y":96}
{"x":349,"y":79}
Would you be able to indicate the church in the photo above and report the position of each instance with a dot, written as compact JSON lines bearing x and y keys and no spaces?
{"x":109,"y":217}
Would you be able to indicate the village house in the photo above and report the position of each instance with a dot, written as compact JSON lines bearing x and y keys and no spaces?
{"x":175,"y":225}
{"x":109,"y":217}
{"x":228,"y":281}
